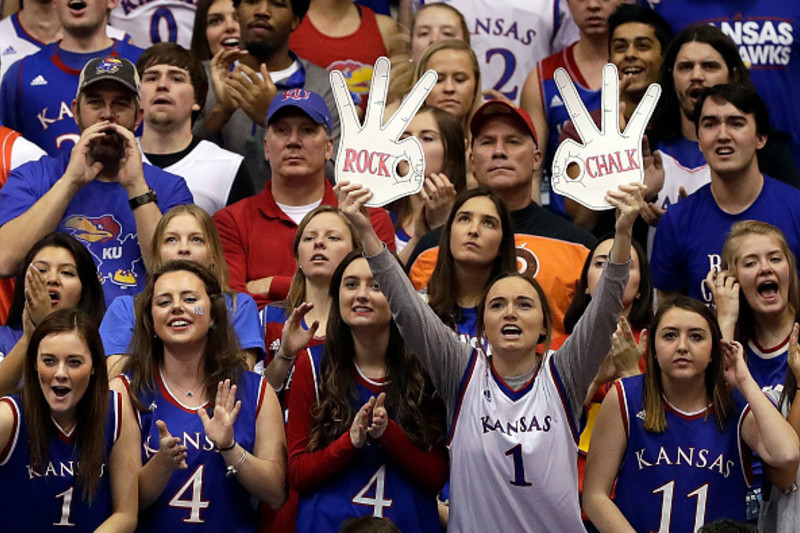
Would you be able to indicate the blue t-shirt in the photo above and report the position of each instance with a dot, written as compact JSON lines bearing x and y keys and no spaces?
{"x":767,"y":34}
{"x":690,"y":235}
{"x":99,"y":216}
{"x":9,"y":336}
{"x":116,"y":329}
{"x":37,"y":93}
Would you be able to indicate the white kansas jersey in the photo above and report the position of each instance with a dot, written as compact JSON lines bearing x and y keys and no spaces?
{"x":156,"y":21}
{"x":209,"y":172}
{"x":513,"y":454}
{"x":510,"y":37}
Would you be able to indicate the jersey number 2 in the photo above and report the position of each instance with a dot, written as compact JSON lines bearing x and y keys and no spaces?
{"x":195,"y":502}
{"x":378,"y":501}
{"x":668,"y":494}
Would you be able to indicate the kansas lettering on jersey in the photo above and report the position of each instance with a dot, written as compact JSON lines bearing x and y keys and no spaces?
{"x":496,"y":436}
{"x":693,"y":472}
{"x":48,"y":499}
{"x":201,"y":496}
{"x":509,"y":38}
{"x":370,"y":485}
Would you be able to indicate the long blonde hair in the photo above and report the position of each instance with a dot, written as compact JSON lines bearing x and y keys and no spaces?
{"x":218,"y":266}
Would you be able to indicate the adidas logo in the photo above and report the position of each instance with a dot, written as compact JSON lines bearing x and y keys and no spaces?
{"x":556,"y":101}
{"x":8,"y":51}
{"x":38,"y":80}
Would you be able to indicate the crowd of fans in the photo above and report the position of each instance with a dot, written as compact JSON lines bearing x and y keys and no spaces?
{"x":202,"y":326}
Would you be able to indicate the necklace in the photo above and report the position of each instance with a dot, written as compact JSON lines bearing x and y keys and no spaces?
{"x":187,"y":393}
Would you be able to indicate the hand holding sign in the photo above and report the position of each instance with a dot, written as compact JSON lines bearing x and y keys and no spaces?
{"x":607,"y":158}
{"x":369,"y":154}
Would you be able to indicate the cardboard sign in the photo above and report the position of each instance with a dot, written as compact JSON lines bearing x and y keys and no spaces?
{"x":607,"y":158}
{"x":369,"y":154}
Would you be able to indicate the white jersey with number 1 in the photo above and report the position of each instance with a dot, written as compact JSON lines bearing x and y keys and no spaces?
{"x":504,"y":427}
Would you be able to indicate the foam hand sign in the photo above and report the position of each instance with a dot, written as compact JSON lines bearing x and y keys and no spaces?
{"x":607,"y":158}
{"x":369,"y":154}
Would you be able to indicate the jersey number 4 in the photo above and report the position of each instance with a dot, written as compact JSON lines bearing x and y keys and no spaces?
{"x":195,"y":503}
{"x":378,"y":502}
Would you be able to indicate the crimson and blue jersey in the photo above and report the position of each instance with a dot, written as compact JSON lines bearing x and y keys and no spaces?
{"x":201,"y":497}
{"x":687,"y":476}
{"x":37,"y":93}
{"x":48,"y":498}
{"x":372,"y":484}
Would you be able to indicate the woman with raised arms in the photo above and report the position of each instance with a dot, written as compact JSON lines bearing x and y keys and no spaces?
{"x":513,"y":416}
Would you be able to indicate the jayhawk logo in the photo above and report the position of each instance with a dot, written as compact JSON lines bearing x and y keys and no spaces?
{"x":108,"y":66}
{"x":111,"y":249}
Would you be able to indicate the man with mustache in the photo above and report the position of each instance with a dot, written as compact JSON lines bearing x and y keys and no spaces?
{"x":100,"y":192}
{"x":244,"y":82}
{"x":37,"y":90}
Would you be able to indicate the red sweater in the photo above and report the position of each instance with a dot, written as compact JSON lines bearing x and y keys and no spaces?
{"x":308,"y":470}
{"x":257,"y":241}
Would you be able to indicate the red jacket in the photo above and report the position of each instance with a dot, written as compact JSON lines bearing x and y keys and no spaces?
{"x":257,"y":241}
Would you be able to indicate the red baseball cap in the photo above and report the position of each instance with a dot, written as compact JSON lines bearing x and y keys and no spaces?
{"x":496,"y":108}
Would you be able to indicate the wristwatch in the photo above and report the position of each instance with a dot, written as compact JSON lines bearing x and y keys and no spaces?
{"x":146,"y":198}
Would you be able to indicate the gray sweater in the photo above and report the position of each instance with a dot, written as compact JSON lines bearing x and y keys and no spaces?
{"x":445,"y":357}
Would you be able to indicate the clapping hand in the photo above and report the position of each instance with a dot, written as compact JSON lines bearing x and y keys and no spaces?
{"x":170,"y":450}
{"x":219,"y":428}
{"x":371,"y":420}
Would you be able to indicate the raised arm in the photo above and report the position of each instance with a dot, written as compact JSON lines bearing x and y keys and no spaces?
{"x":437,"y":346}
{"x":583,"y":352}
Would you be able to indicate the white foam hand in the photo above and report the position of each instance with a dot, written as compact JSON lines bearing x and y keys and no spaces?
{"x":607,"y":158}
{"x":369,"y":154}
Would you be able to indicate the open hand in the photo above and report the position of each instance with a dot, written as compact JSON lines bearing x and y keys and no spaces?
{"x":294,"y":338}
{"x":219,"y":428}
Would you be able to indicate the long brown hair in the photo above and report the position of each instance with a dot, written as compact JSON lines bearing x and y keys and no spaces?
{"x":408,"y":394}
{"x":222,"y":358}
{"x":443,"y":288}
{"x":92,"y":408}
{"x":745,"y":324}
{"x":458,"y":45}
{"x":721,"y":402}
{"x":297,"y":289}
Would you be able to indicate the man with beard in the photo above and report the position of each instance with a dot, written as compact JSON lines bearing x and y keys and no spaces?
{"x":244,"y":82}
{"x":37,"y":90}
{"x":100,"y":192}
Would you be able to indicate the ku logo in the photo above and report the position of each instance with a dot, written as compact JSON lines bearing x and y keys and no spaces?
{"x":114,"y":252}
{"x":488,"y":395}
{"x":295,"y":94}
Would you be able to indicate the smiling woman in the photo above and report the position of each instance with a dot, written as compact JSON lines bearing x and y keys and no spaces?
{"x":187,"y":360}
{"x":77,"y":439}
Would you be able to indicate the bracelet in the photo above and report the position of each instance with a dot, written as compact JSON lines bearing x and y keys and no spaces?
{"x":227,"y":448}
{"x":233,"y":469}
{"x":279,"y":355}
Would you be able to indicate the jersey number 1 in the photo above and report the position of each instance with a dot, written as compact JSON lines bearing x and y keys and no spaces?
{"x":668,"y":494}
{"x":377,"y":502}
{"x":519,"y":467}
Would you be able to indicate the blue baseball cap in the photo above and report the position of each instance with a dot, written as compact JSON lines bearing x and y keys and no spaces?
{"x":308,"y":102}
